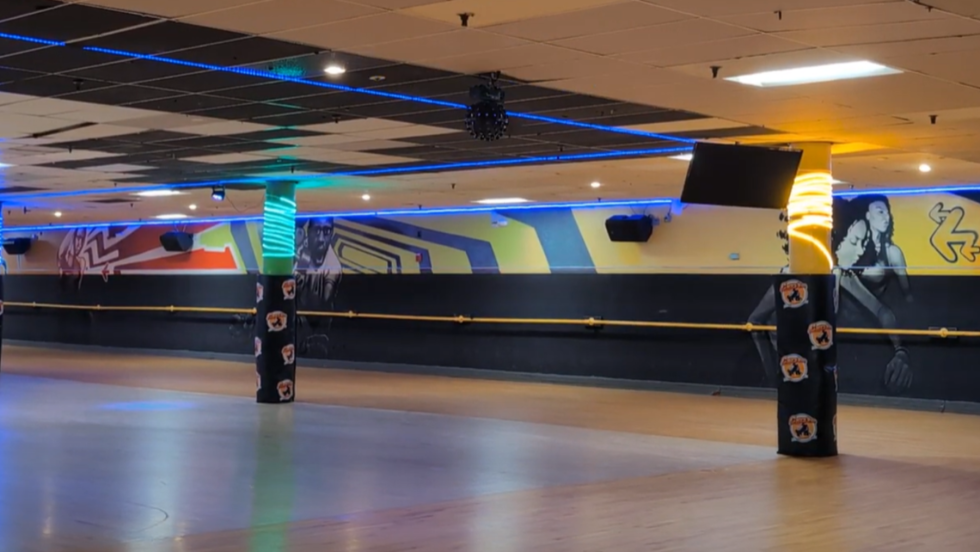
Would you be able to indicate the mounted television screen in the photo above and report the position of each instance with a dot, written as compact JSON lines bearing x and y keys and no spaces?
{"x":740,"y":176}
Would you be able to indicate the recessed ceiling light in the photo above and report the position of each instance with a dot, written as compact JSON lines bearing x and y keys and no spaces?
{"x":377,"y":78}
{"x":366,"y":197}
{"x":57,"y":214}
{"x":596,"y":184}
{"x":683,"y":157}
{"x":192,"y":206}
{"x":158,"y":193}
{"x":925,"y":168}
{"x":501,"y":200}
{"x":816,"y":73}
{"x":171,"y":216}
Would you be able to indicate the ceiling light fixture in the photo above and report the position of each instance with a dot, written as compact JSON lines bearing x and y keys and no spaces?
{"x":501,"y":200}
{"x":815,"y":73}
{"x":57,"y":214}
{"x":924,"y":168}
{"x":334,"y":66}
{"x":683,"y":157}
{"x":366,"y":197}
{"x":158,"y":193}
{"x":218,"y":193}
{"x":192,"y":206}
{"x":596,"y":184}
{"x":171,"y":216}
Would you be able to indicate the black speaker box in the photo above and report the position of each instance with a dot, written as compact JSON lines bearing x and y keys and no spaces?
{"x":17,"y":246}
{"x":629,"y":228}
{"x":177,"y":241}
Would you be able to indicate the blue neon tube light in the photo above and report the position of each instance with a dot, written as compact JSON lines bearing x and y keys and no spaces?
{"x":344,"y":88}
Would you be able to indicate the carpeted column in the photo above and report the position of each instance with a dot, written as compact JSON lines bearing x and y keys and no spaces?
{"x":275,"y":296}
{"x":806,"y":320}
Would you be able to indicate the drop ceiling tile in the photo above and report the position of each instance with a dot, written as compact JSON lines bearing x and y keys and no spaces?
{"x":326,"y":140}
{"x":94,"y":131}
{"x":827,"y":18}
{"x":222,"y":158}
{"x":370,"y":145}
{"x":411,"y":131}
{"x":506,"y":59}
{"x":614,"y":17}
{"x":41,"y":106}
{"x":864,"y":34}
{"x":715,"y":51}
{"x":224,"y":128}
{"x":500,"y":11}
{"x":356,"y":125}
{"x":884,"y":51}
{"x":71,"y":22}
{"x":720,"y":8}
{"x":117,"y":168}
{"x":62,"y":155}
{"x":692,"y":125}
{"x":162,"y":37}
{"x":584,"y":67}
{"x":363,"y":159}
{"x":968,"y":8}
{"x":460,"y":42}
{"x":681,"y":33}
{"x":772,"y":62}
{"x":170,"y":8}
{"x":281,"y":15}
{"x":375,"y":29}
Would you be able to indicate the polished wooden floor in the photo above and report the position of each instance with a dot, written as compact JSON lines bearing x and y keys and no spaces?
{"x":439,"y":464}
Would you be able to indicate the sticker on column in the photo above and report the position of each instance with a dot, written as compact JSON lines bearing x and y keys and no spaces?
{"x":285,"y":389}
{"x":803,"y":427}
{"x":276,"y":321}
{"x":258,"y":381}
{"x":289,"y":354}
{"x":821,"y":335}
{"x":259,"y":293}
{"x":794,"y":294}
{"x":794,"y":368}
{"x":289,"y":289}
{"x":258,"y":347}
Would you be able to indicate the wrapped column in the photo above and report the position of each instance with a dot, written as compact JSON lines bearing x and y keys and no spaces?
{"x":275,"y":296}
{"x":806,"y":345}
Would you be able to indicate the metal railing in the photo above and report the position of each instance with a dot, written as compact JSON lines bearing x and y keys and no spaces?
{"x":459,"y":319}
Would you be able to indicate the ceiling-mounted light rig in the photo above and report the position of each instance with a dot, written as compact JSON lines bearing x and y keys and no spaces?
{"x":218,"y":193}
{"x":487,"y":119}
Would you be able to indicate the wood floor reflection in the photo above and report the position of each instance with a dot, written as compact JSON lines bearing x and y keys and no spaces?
{"x":909,"y":481}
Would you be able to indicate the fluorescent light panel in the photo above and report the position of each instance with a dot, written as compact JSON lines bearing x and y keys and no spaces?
{"x":501,"y":201}
{"x":158,"y":193}
{"x":815,"y":73}
{"x":171,"y":216}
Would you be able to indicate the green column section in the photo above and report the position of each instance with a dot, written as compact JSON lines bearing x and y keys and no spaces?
{"x":279,"y":229}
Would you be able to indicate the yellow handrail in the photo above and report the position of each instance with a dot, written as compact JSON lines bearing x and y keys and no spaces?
{"x":589,"y":322}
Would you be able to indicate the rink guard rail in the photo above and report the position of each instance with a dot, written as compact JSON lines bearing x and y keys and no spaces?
{"x":943,"y":333}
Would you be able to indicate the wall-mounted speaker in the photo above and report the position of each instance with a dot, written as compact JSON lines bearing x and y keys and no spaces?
{"x":177,"y":241}
{"x":630,"y":228}
{"x":17,"y":246}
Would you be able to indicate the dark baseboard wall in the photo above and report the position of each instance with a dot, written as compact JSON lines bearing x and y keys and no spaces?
{"x":944,"y":370}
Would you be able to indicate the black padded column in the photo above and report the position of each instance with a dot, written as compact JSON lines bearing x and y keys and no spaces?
{"x":806,"y":322}
{"x":275,"y":339}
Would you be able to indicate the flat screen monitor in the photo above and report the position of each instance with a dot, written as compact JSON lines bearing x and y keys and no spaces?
{"x":740,"y":176}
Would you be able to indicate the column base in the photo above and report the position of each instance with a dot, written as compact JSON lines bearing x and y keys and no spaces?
{"x":806,"y":323}
{"x":275,"y":339}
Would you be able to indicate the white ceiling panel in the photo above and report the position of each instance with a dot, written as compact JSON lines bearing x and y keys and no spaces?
{"x":721,"y":8}
{"x":715,"y":51}
{"x":884,"y":51}
{"x":173,"y":8}
{"x":969,"y":8}
{"x":827,"y":18}
{"x":460,"y":42}
{"x":506,"y":59}
{"x":866,"y":34}
{"x":952,"y":66}
{"x":365,"y":31}
{"x":224,"y":128}
{"x":222,"y":158}
{"x":495,"y":12}
{"x":605,"y":19}
{"x":681,"y":33}
{"x":281,"y":15}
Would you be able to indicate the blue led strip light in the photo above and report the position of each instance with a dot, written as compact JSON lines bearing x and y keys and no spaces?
{"x":365,"y":172}
{"x":344,"y":88}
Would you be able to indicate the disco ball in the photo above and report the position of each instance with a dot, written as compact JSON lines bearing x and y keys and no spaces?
{"x":487,"y":120}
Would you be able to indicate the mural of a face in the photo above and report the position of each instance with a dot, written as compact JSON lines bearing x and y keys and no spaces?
{"x":879,"y":217}
{"x":853,"y":245}
{"x":318,"y":236}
